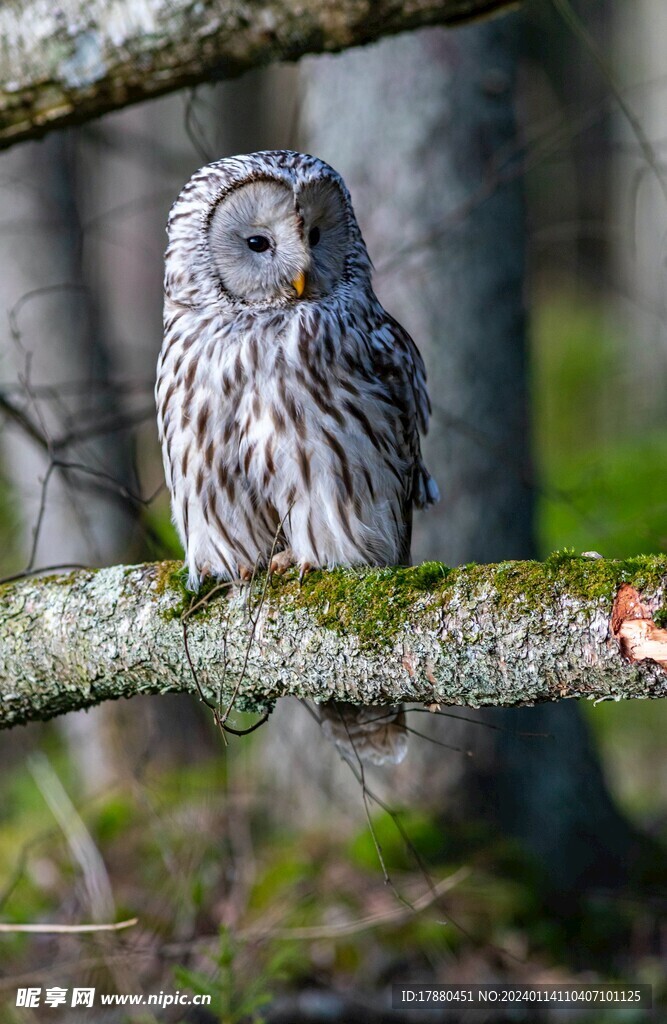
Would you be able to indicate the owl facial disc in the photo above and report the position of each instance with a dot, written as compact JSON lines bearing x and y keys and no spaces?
{"x":271,"y":242}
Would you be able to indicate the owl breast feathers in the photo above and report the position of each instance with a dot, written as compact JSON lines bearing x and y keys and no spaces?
{"x":290,"y":403}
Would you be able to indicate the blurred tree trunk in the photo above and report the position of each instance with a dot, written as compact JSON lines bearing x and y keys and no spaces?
{"x":567,"y":104}
{"x":59,"y":343}
{"x":431,"y":158}
{"x":641,"y":208}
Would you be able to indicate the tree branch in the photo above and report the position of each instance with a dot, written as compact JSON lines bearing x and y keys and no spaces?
{"x":67,"y":62}
{"x":507,"y":634}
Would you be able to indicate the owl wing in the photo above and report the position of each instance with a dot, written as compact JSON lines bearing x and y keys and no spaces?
{"x":400,"y":368}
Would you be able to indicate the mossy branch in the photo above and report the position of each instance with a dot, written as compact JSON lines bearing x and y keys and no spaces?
{"x":507,"y":634}
{"x":67,"y":62}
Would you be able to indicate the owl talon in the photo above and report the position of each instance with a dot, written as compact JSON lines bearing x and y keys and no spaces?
{"x":304,"y":568}
{"x":281,"y":562}
{"x":245,"y":574}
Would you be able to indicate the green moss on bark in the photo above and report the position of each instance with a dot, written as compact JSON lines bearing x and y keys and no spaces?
{"x":376,"y":605}
{"x":173,"y":580}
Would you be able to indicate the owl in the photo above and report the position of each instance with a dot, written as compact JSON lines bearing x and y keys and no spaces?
{"x":290,"y":404}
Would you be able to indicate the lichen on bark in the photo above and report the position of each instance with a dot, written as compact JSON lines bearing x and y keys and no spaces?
{"x":506,"y":634}
{"x":65,"y":63}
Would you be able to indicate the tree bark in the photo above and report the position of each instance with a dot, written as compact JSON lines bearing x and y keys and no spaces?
{"x":507,"y":634}
{"x":64,"y":63}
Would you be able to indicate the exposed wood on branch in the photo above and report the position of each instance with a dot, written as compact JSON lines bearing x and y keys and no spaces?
{"x":506,"y":634}
{"x":63,"y":63}
{"x":639,"y":636}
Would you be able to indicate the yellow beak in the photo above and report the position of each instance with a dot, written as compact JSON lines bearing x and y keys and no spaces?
{"x":299,"y":284}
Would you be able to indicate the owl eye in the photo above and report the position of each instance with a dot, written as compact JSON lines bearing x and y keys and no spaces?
{"x":258,"y":243}
{"x":313,"y":237}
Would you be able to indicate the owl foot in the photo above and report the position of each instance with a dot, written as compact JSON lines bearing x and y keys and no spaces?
{"x":281,"y":562}
{"x":245,"y":574}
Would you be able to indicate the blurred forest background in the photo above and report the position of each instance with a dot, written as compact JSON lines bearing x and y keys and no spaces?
{"x":510,"y":178}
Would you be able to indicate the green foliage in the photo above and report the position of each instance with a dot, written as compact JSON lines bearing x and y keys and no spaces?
{"x":600,"y":457}
{"x":114,"y":818}
{"x":576,"y":366}
{"x":11,"y":554}
{"x":424,"y":832}
{"x":612,"y":499}
{"x":26,"y":826}
{"x":171,"y":848}
{"x":238,"y":991}
{"x":161,"y":536}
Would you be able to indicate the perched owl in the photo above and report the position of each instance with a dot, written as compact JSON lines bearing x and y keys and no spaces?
{"x":289,"y":402}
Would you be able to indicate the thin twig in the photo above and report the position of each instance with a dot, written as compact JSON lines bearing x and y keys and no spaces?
{"x":58,"y":929}
{"x":363,"y":923}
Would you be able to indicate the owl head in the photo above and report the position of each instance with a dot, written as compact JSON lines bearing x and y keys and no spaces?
{"x":268,"y":229}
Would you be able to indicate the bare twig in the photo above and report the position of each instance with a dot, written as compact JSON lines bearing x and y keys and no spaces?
{"x":66,"y":929}
{"x":361,"y":924}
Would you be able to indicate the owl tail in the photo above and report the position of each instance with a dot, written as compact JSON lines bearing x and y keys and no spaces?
{"x":373,"y":734}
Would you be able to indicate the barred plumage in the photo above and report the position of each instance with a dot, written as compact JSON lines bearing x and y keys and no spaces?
{"x":289,"y":402}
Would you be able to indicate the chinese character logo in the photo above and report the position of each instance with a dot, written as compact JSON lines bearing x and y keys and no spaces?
{"x":55,"y":996}
{"x":28,"y":997}
{"x":82,"y":996}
